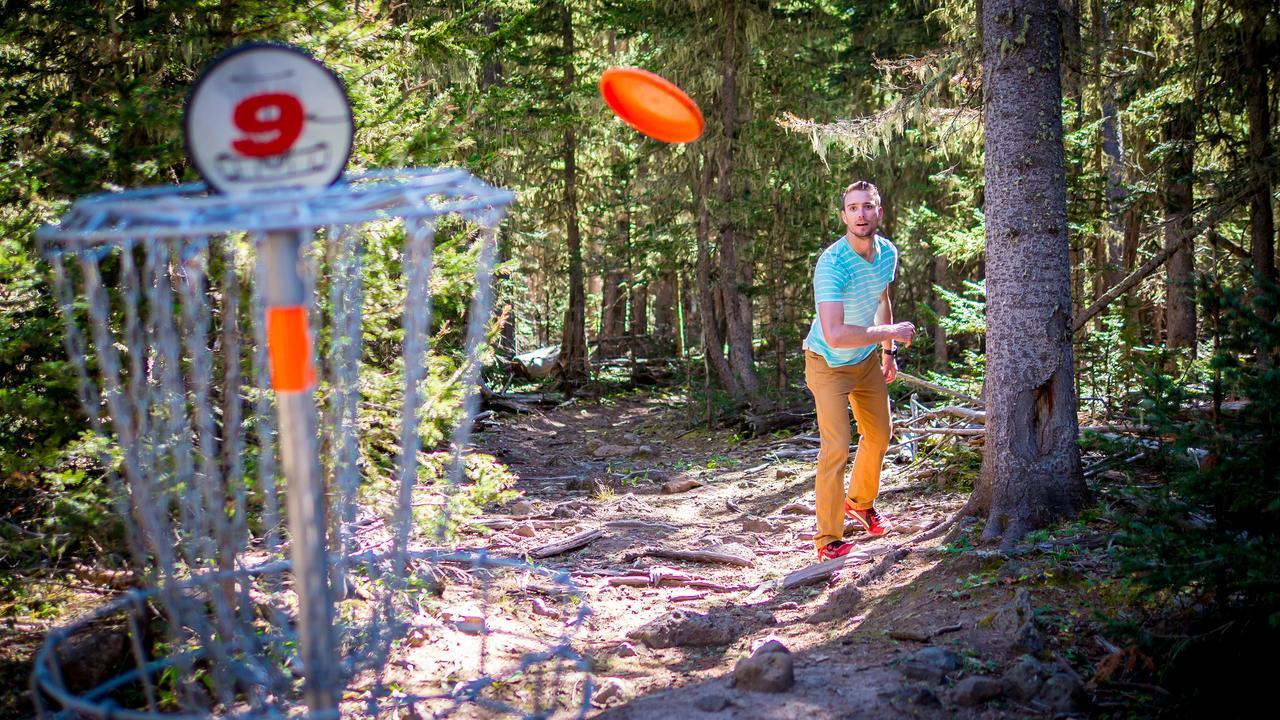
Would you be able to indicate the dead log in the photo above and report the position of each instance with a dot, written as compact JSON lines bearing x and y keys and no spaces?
{"x":708,"y":556}
{"x":973,"y":416}
{"x":573,"y":542}
{"x":765,"y":424}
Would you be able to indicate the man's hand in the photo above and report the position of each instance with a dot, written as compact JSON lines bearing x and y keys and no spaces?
{"x":888,"y":367}
{"x":903,"y":332}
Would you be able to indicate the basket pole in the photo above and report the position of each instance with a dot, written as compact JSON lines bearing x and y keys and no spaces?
{"x":294,"y":384}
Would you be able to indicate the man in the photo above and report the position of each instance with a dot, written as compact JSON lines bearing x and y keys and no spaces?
{"x":851,"y":295}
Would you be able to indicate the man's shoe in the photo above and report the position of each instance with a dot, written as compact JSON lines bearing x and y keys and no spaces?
{"x":833,"y":550}
{"x":873,"y":522}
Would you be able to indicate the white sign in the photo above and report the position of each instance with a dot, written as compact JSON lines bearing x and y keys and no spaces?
{"x":268,"y":117}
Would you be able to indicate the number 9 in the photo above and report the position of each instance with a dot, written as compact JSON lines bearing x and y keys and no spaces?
{"x":268,"y":133}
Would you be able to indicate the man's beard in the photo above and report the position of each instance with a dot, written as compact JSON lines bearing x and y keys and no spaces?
{"x":870,"y":231}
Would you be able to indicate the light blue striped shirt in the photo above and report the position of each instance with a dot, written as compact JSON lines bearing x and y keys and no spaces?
{"x":843,"y":275}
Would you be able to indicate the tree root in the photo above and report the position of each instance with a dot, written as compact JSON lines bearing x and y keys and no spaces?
{"x":880,"y":568}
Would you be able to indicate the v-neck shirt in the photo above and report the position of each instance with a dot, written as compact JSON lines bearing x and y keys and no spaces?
{"x":842,"y":275}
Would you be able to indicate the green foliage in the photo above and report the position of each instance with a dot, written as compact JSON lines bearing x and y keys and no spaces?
{"x":1205,"y":546}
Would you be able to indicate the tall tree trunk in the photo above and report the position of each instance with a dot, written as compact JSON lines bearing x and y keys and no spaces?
{"x":1031,"y":464}
{"x":638,"y":323}
{"x":574,"y":367}
{"x":712,"y":340}
{"x":1262,"y":231}
{"x":1180,"y":296}
{"x":612,"y":306}
{"x":741,"y":357}
{"x":490,"y":76}
{"x":1114,"y":268}
{"x":665,"y":316}
{"x":939,"y":305}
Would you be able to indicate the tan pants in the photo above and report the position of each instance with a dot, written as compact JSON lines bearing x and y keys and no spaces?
{"x":834,"y":390}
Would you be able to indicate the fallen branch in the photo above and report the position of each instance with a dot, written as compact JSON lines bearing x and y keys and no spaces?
{"x":642,"y":524}
{"x":657,"y":576}
{"x":1172,"y":246}
{"x":974,"y":416}
{"x":967,"y":432}
{"x":937,"y":529}
{"x":819,"y":572}
{"x":913,"y":380}
{"x":572,"y":542}
{"x":710,"y":556}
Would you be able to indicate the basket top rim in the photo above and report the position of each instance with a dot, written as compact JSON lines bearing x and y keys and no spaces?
{"x":192,"y":210}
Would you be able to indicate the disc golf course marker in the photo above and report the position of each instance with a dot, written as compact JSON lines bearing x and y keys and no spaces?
{"x":202,"y":370}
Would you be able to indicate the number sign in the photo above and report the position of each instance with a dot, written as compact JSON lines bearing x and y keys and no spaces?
{"x":267,"y":117}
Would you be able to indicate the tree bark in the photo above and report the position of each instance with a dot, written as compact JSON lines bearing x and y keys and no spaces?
{"x":1262,"y":231}
{"x":940,"y":358}
{"x":612,"y":306}
{"x":665,"y":318}
{"x":741,"y":356}
{"x":490,"y":76}
{"x":574,"y":367}
{"x":1031,"y":465}
{"x":1180,"y":296}
{"x":712,"y":340}
{"x":1112,"y":139}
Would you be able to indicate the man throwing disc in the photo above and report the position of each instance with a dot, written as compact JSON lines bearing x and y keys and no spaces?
{"x":851,"y":294}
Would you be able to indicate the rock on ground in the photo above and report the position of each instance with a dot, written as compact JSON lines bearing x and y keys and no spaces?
{"x":683,"y":628}
{"x":769,"y":669}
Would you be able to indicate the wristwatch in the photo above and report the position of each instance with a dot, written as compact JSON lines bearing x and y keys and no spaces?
{"x":893,"y":352}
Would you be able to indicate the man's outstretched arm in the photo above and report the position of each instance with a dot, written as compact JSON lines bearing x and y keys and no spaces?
{"x":839,"y":335}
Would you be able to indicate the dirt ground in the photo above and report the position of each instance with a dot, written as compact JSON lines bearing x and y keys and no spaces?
{"x":865,"y":642}
{"x":917,"y":623}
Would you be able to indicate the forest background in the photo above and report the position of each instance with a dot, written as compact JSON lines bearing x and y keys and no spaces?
{"x":701,"y":254}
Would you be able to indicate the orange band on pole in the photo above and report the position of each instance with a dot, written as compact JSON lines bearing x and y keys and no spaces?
{"x":289,"y":349}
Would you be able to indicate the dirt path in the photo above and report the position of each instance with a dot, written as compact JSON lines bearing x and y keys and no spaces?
{"x":899,"y":632}
{"x":907,"y":627}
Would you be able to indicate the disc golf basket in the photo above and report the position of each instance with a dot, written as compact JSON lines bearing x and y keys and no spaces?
{"x":190,"y":317}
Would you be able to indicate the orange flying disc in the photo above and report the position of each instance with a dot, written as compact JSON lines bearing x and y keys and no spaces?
{"x":651,"y":104}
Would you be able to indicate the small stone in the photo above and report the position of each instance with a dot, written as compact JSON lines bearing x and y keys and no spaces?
{"x":681,"y":628}
{"x":678,"y":486}
{"x":522,"y":507}
{"x":611,"y":451}
{"x":1017,"y":620}
{"x":772,"y":672}
{"x":626,"y":649}
{"x":931,"y":664}
{"x":1024,"y":678}
{"x":910,"y":635}
{"x":711,"y":702}
{"x":758,"y":525}
{"x":1063,"y":693}
{"x":611,"y":689}
{"x":525,"y":530}
{"x":975,"y":690}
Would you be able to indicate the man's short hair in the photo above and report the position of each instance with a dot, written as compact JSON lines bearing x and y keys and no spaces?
{"x":864,"y":186}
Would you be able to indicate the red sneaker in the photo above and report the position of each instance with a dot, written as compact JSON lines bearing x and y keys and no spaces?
{"x":873,"y":522}
{"x":833,"y":550}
